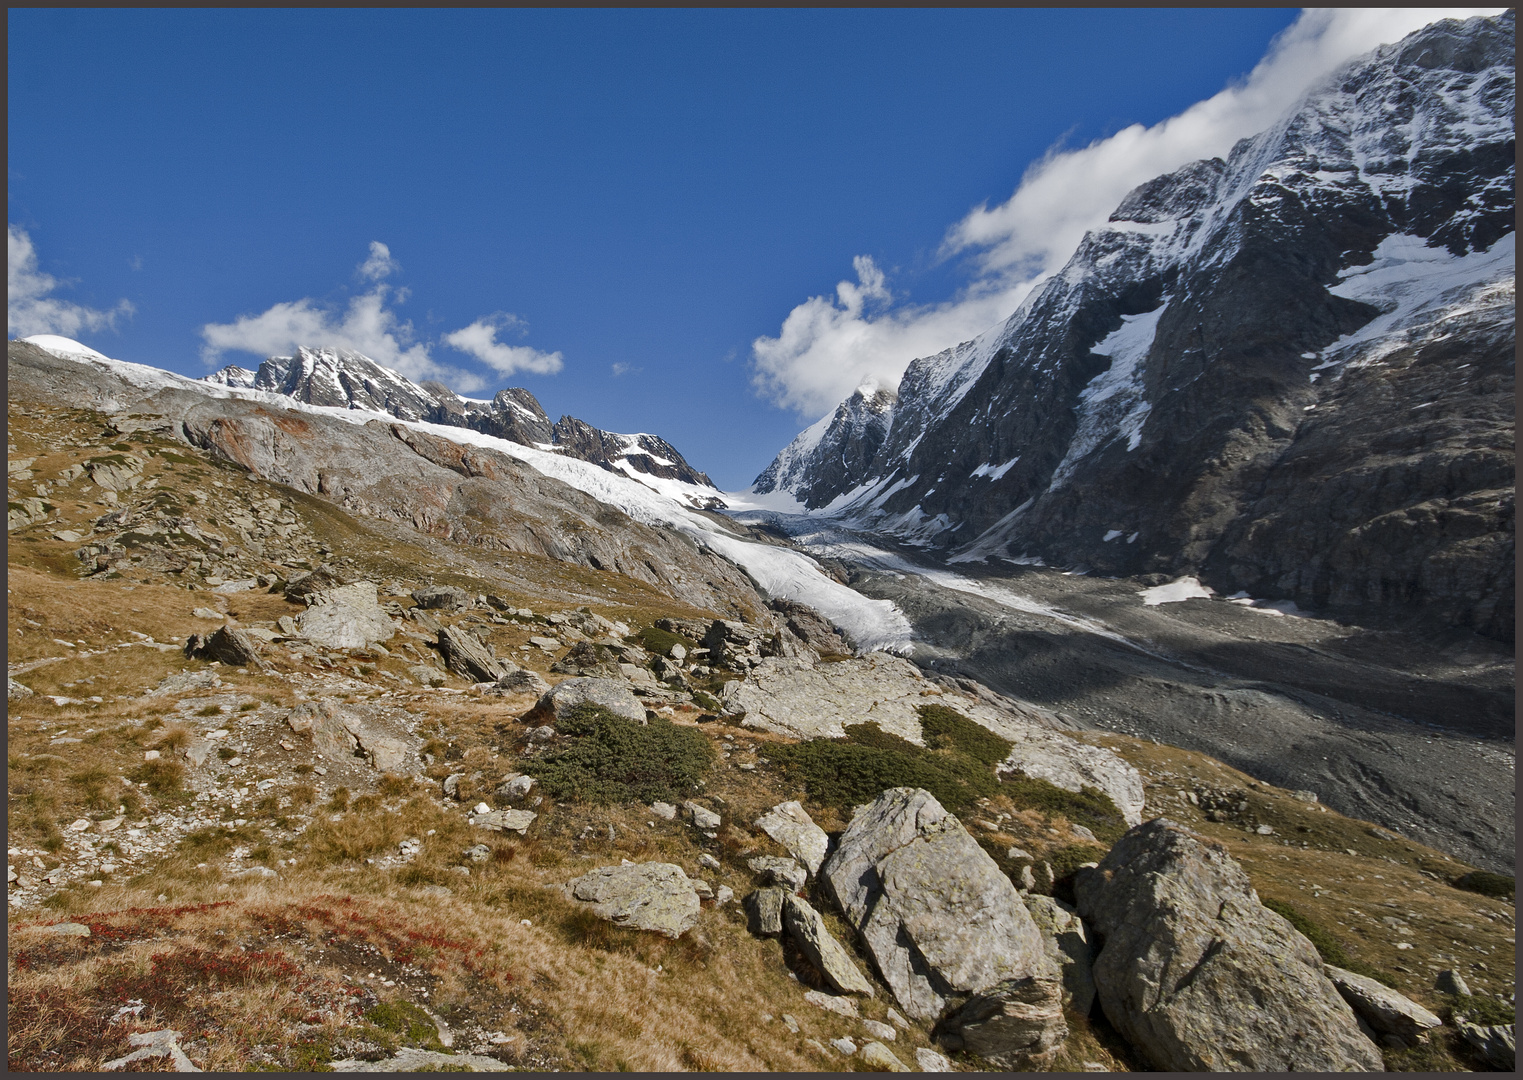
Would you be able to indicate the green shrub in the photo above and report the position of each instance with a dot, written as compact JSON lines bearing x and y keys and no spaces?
{"x":661,"y":641}
{"x":402,"y":1018}
{"x":869,"y":761}
{"x":609,"y":759}
{"x":1327,"y":945}
{"x":706,"y":701}
{"x":1488,"y":884}
{"x":1480,"y":1010}
{"x":947,"y":729}
{"x":1089,"y":806}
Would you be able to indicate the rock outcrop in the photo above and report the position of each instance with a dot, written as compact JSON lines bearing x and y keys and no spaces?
{"x":938,"y":917}
{"x":611,"y":694}
{"x":643,"y":896}
{"x":790,"y":825}
{"x":341,"y":735}
{"x":1386,"y":1011}
{"x":1198,"y":975}
{"x":1067,"y":944}
{"x":345,"y":617}
{"x":1015,"y":1024}
{"x":466,"y":655}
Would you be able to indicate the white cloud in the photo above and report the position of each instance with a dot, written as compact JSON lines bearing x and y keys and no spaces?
{"x":480,"y":340}
{"x":29,"y":307}
{"x":380,"y":264}
{"x":826,"y":348}
{"x":625,"y":369}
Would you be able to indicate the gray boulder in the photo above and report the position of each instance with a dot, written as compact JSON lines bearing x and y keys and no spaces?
{"x":441,"y":598}
{"x":302,"y":588}
{"x":791,"y":826}
{"x":775,"y":871}
{"x":701,"y":816}
{"x":590,"y":660}
{"x":764,"y":910}
{"x":612,"y":694}
{"x":878,"y":1058}
{"x":807,"y":927}
{"x":642,"y":896}
{"x":342,"y":735}
{"x":1497,"y":1043}
{"x":1015,"y":1024}
{"x":507,"y":820}
{"x":229,"y":645}
{"x":522,"y":681}
{"x":466,"y":656}
{"x":1388,"y":1012}
{"x":1067,"y":945}
{"x":345,"y":617}
{"x":1198,"y":975}
{"x":936,"y":913}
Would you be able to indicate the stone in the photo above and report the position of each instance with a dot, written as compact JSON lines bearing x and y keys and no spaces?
{"x":66,"y":929}
{"x":1450,"y":981}
{"x":228,"y":645}
{"x":1027,"y":879}
{"x":775,"y":871}
{"x":588,"y":659}
{"x":664,"y":811}
{"x":708,"y":862}
{"x":643,"y":896}
{"x":302,"y":588}
{"x":764,"y":911}
{"x":549,"y":644}
{"x":466,"y":656}
{"x":897,"y":1020}
{"x":1385,"y":1010}
{"x":724,"y":894}
{"x":1497,"y":1043}
{"x":1083,"y":834}
{"x":875,"y":1057}
{"x":844,"y":1046}
{"x":935,"y":912}
{"x":479,"y":853}
{"x":791,"y":826}
{"x":1016,"y":1024}
{"x":841,"y":1006}
{"x":441,"y":598}
{"x":15,"y":690}
{"x":701,"y":816}
{"x":931,"y":1061}
{"x":522,"y":681}
{"x":507,"y":820}
{"x":345,"y":617}
{"x":184,"y":682}
{"x":516,"y":787}
{"x":452,"y":785}
{"x":411,"y":1059}
{"x":1067,"y":945}
{"x":704,"y":890}
{"x":1198,"y":975}
{"x":208,"y":613}
{"x":612,"y":694}
{"x":341,"y":735}
{"x":152,"y":1044}
{"x":879,"y":1030}
{"x":818,"y":944}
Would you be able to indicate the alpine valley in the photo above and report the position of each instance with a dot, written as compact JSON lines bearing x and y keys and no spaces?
{"x":1129,"y":688}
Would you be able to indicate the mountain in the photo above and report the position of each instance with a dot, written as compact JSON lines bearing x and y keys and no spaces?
{"x":1290,"y":371}
{"x":346,"y":379}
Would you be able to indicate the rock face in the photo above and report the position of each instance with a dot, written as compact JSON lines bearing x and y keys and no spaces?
{"x":612,"y":694}
{"x":809,"y":701}
{"x":1289,"y":370}
{"x":808,"y":929}
{"x":1016,"y":1024}
{"x":790,"y":825}
{"x":341,"y":735}
{"x":1497,"y":1043}
{"x":1200,"y":976}
{"x":1388,"y":1012}
{"x":642,"y":896}
{"x":764,"y":911}
{"x":1067,"y":945}
{"x":589,"y":660}
{"x":345,"y":617}
{"x":936,"y":913}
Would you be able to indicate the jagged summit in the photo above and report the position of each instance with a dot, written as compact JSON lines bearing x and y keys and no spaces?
{"x":1258,"y":366}
{"x":343,"y":378}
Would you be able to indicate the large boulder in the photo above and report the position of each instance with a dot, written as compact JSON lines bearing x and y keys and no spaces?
{"x":341,"y":735}
{"x":1388,"y":1012}
{"x":612,"y":694}
{"x":302,"y":588}
{"x":807,"y":928}
{"x":345,"y":617}
{"x":791,"y":826}
{"x":810,"y":627}
{"x":228,"y":645}
{"x":1073,"y":766}
{"x":937,"y":915}
{"x":642,"y":896}
{"x":441,"y":598}
{"x":589,"y":660}
{"x":1198,"y":975}
{"x":1015,"y":1024}
{"x":467,"y":656}
{"x":1067,"y":945}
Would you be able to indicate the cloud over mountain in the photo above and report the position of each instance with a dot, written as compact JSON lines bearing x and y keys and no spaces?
{"x":30,"y":307}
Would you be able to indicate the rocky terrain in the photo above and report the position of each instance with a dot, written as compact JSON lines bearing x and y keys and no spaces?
{"x":1289,"y":372}
{"x":319,"y":765}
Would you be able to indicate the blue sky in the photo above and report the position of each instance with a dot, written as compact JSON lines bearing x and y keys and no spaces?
{"x":613,"y":207}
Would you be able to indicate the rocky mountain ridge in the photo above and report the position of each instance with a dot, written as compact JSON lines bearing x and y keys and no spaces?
{"x":348,"y":379}
{"x":1289,"y":371}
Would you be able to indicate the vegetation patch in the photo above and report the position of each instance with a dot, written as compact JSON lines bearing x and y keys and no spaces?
{"x":1479,"y":1010}
{"x":409,"y":1023}
{"x":869,"y":761}
{"x":661,"y":641}
{"x":607,"y":759}
{"x":945,"y":728}
{"x":1088,"y":806}
{"x":1327,"y":945}
{"x":1486,"y":883}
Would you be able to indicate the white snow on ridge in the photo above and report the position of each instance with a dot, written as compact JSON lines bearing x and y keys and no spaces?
{"x":995,"y":472}
{"x":780,"y":572}
{"x":1176,"y":592}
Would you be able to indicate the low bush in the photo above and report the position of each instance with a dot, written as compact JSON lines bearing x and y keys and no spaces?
{"x":1488,"y":884}
{"x":1480,"y":1010}
{"x":869,"y":761}
{"x":661,"y":641}
{"x":607,"y":759}
{"x":1089,"y":806}
{"x":407,"y":1021}
{"x":1326,"y":945}
{"x":945,"y":728}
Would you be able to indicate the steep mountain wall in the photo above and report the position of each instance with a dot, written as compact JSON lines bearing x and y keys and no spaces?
{"x":1290,"y":370}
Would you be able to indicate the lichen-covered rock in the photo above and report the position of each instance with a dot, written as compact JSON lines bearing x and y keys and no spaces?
{"x":1015,"y":1024}
{"x":341,"y":735}
{"x":1385,"y":1010}
{"x":589,"y":660}
{"x":806,"y":926}
{"x":1067,"y":945}
{"x":1497,"y":1043}
{"x":790,"y":825}
{"x":466,"y":656}
{"x":1072,"y":766}
{"x":764,"y":911}
{"x":1198,"y":975}
{"x":345,"y":617}
{"x":936,"y":913}
{"x":522,"y":681}
{"x":441,"y":598}
{"x":612,"y":694}
{"x":784,"y":872}
{"x":642,"y":896}
{"x":879,"y":1058}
